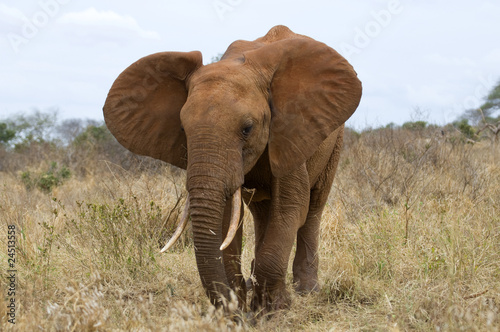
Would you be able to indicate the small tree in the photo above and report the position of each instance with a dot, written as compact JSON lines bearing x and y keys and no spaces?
{"x":486,"y":112}
{"x":37,"y":127}
{"x":493,"y":127}
{"x":492,"y":103}
{"x":93,"y":135}
{"x":467,"y":131}
{"x":6,"y":134}
{"x":68,"y":129}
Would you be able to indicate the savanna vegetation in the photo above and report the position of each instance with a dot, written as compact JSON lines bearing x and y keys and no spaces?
{"x":410,"y":236}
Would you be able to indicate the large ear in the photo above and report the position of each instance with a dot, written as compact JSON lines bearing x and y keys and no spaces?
{"x":142,"y":109}
{"x":313,"y":91}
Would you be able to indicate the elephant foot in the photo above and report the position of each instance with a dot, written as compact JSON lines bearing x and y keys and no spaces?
{"x":265,"y":302}
{"x":304,"y":287}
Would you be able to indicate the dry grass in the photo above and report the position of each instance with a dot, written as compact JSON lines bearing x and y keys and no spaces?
{"x":410,"y":241}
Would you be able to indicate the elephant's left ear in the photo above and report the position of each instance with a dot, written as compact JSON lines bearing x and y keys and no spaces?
{"x":313,"y":91}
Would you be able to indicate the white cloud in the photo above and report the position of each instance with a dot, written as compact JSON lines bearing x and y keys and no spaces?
{"x":110,"y":20}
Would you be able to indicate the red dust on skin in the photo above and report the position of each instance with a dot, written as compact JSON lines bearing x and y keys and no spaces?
{"x":268,"y":117}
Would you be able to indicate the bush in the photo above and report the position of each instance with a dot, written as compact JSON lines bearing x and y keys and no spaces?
{"x":415,"y":125}
{"x":466,"y":129}
{"x":46,"y":181}
{"x":6,"y":134}
{"x":93,"y":135}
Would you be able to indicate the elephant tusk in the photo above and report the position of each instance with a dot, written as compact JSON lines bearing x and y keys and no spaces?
{"x":180,"y":227}
{"x":235,"y":218}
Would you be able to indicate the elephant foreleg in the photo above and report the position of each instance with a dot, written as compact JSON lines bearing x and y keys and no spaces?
{"x":276,"y":225}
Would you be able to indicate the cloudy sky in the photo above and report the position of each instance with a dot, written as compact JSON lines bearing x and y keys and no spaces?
{"x":418,"y":60}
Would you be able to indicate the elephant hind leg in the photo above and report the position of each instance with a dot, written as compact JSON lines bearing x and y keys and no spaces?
{"x":305,"y":264}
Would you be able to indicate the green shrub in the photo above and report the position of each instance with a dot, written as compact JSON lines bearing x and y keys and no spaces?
{"x":46,"y":181}
{"x":6,"y":134}
{"x":415,"y":125}
{"x":465,"y":128}
{"x":93,"y":135}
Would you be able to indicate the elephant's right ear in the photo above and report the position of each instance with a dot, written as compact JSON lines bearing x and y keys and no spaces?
{"x":143,"y":107}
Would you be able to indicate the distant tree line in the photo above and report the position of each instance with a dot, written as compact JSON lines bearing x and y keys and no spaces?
{"x":472,"y":126}
{"x":44,"y":152}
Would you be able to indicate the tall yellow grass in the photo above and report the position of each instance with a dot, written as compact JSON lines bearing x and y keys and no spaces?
{"x":410,"y":241}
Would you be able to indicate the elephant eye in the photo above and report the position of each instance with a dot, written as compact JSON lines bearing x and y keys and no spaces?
{"x":247,"y":130}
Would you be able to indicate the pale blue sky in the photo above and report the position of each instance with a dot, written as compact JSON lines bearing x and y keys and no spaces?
{"x":437,"y":56}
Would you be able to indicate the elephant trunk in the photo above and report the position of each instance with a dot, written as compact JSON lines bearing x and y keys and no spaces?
{"x":212,"y":178}
{"x":207,"y":210}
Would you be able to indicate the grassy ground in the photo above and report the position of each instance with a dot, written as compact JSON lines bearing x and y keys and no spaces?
{"x":410,"y":241}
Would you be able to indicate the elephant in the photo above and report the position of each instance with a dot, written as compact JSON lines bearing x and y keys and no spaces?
{"x":262,"y":127}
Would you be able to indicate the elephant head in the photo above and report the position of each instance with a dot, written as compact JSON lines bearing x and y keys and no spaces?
{"x":277,"y":97}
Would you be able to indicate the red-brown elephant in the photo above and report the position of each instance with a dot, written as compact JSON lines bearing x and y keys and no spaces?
{"x":268,"y":116}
